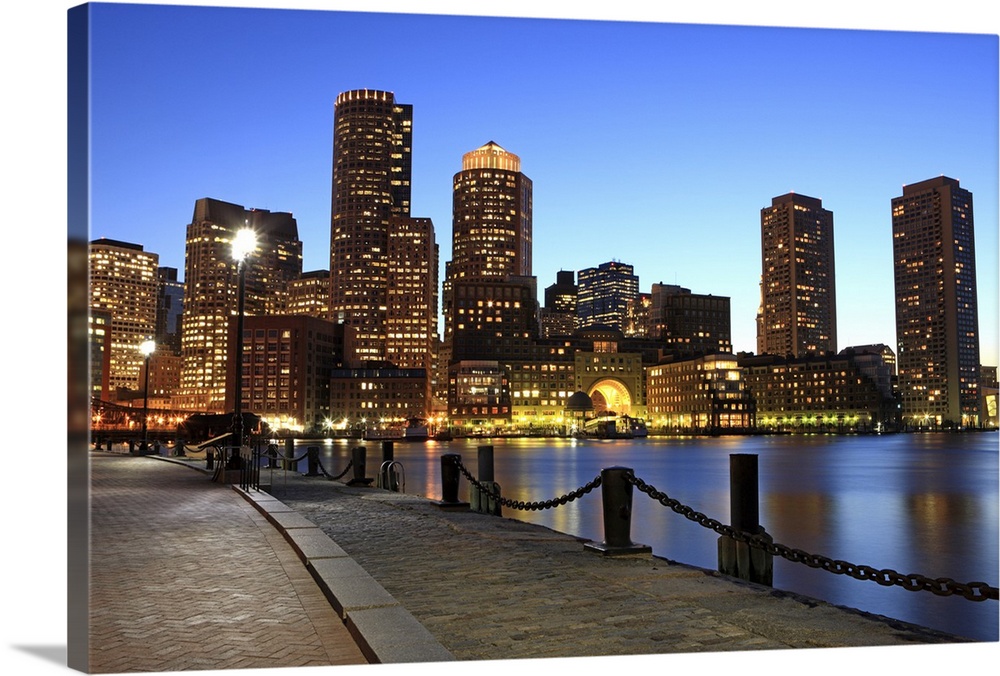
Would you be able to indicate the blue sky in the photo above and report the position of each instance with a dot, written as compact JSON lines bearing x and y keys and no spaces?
{"x":648,"y":143}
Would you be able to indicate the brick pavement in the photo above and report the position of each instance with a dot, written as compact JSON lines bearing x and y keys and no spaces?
{"x":185,"y":574}
{"x":497,"y":588}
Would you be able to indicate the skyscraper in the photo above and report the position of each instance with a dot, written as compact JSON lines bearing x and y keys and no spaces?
{"x":210,"y":290}
{"x":371,"y":184}
{"x":937,"y":318}
{"x":123,"y":286}
{"x":604,"y":294}
{"x":491,"y":216}
{"x":491,"y":256}
{"x":798,"y":312}
{"x":411,"y":294}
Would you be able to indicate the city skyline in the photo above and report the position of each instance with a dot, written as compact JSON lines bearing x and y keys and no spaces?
{"x":731,"y":117}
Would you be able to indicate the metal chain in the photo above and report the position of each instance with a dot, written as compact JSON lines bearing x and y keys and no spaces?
{"x":330,"y":476}
{"x":941,"y":586}
{"x":528,"y":506}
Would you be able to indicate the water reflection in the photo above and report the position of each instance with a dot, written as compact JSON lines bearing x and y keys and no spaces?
{"x":924,"y":504}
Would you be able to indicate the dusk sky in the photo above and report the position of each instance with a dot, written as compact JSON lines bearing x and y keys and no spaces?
{"x":652,"y":144}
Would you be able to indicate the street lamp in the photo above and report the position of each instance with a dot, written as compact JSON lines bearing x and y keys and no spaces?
{"x":244,"y":244}
{"x":146,"y":348}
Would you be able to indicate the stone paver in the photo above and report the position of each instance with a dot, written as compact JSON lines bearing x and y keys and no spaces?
{"x":497,"y":588}
{"x":186,"y":574}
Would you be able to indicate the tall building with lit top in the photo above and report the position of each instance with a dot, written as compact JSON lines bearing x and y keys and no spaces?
{"x":798,"y":311}
{"x":937,"y":318}
{"x":123,"y":286}
{"x":211,"y":290}
{"x":371,"y":184}
{"x":491,"y":216}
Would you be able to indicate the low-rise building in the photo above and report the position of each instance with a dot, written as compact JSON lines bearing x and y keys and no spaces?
{"x":699,"y":394}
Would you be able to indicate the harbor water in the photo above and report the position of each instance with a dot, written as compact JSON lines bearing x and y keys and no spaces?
{"x":923,"y":504}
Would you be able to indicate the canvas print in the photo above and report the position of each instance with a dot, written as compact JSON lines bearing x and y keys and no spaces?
{"x":444,"y":341}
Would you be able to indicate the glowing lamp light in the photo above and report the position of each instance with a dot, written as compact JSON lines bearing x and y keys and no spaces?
{"x":244,"y":244}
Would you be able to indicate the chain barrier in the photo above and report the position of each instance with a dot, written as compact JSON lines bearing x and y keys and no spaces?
{"x":529,"y":506}
{"x":330,"y":476}
{"x":941,"y":586}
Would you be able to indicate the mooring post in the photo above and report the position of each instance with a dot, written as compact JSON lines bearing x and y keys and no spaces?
{"x":737,"y":558}
{"x":386,"y":451}
{"x":272,"y":456}
{"x":616,"y":498}
{"x":449,"y":482}
{"x":312,"y":455}
{"x":210,"y":459}
{"x":479,"y":500}
{"x":359,"y":461}
{"x":287,"y":462}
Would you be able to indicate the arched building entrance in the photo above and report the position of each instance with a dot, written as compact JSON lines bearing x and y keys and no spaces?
{"x":611,"y":395}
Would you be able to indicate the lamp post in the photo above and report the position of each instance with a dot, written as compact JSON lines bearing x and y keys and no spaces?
{"x":244,"y":244}
{"x":146,"y":348}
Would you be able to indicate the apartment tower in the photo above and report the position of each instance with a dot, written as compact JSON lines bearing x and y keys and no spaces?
{"x":123,"y":287}
{"x":798,"y":311}
{"x":604,"y":294}
{"x":211,"y":290}
{"x":371,"y":185}
{"x":937,"y":319}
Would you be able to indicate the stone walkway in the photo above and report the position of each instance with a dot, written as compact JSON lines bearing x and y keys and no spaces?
{"x":497,"y":588}
{"x":186,"y":574}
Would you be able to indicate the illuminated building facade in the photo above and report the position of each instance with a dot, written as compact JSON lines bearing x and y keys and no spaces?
{"x":377,"y":399}
{"x":100,"y":354}
{"x":287,"y":365}
{"x":816,"y":393}
{"x":123,"y":285}
{"x":798,"y":312}
{"x":169,"y":311}
{"x":211,"y":290}
{"x":690,"y":323}
{"x":937,"y":316}
{"x":309,"y":295}
{"x":412,"y":296}
{"x":615,"y":380}
{"x":558,"y":316}
{"x":372,"y":149}
{"x":604,"y":294}
{"x":540,"y":383}
{"x":491,"y":216}
{"x":704,"y":393}
{"x":478,"y":397}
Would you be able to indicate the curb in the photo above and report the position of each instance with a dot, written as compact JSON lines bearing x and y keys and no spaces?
{"x":385,"y":631}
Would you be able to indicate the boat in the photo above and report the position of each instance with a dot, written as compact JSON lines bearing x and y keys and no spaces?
{"x":416,"y":430}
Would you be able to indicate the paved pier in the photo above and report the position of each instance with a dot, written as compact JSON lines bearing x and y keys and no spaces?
{"x":188,"y":574}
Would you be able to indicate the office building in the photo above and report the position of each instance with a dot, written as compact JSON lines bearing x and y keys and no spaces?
{"x":169,"y":311}
{"x":937,"y":318}
{"x":123,"y":285}
{"x":699,"y":394}
{"x":371,"y":184}
{"x":309,"y":295}
{"x":558,"y":316}
{"x":604,"y":294}
{"x":690,"y":323}
{"x":211,"y":290}
{"x":798,"y":311}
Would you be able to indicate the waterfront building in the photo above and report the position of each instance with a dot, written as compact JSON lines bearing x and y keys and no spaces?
{"x":478,"y":397}
{"x":690,"y":323}
{"x":558,"y":316}
{"x":604,"y":293}
{"x":541,"y":382}
{"x":937,"y":317}
{"x":309,"y":295}
{"x":615,"y":380}
{"x":988,"y":392}
{"x":372,"y":150}
{"x":816,"y":393}
{"x":211,"y":291}
{"x":699,"y":394}
{"x":638,"y":311}
{"x":287,"y":365}
{"x":123,"y":285}
{"x":169,"y":311}
{"x":798,"y":312}
{"x":377,"y":398}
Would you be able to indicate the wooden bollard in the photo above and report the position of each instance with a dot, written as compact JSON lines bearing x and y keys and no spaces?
{"x":736,"y":558}
{"x":479,"y":500}
{"x":359,"y":464}
{"x":449,"y":482}
{"x":288,"y":463}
